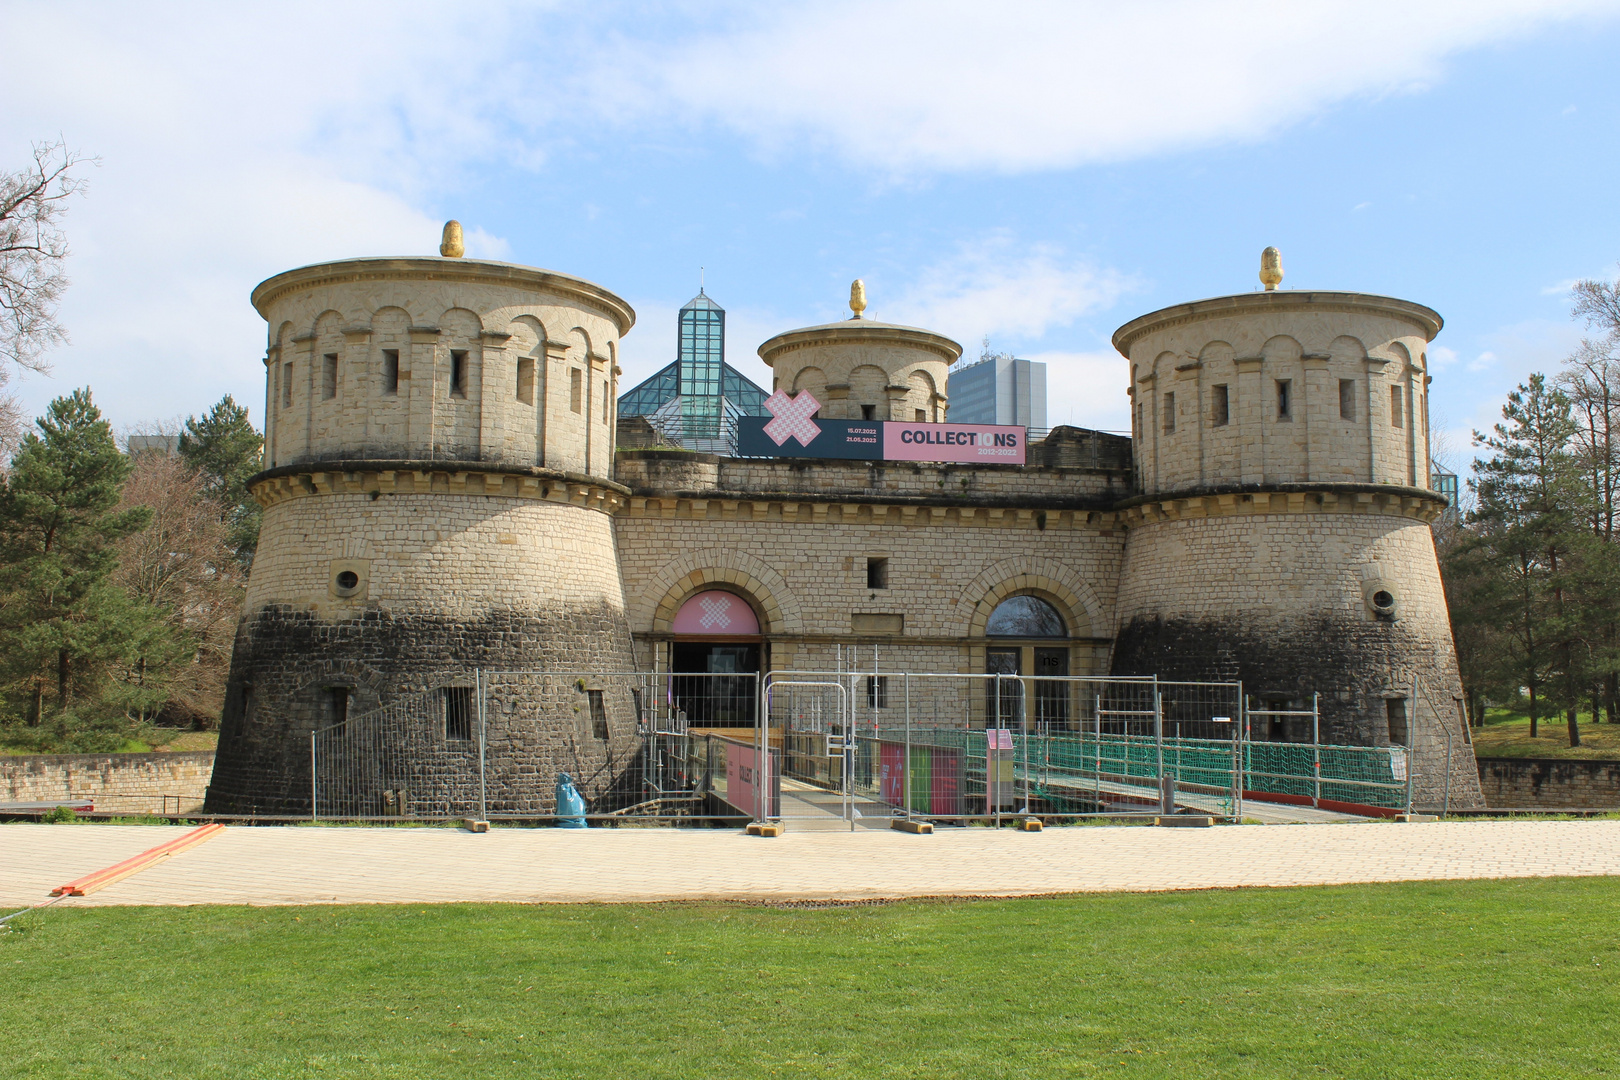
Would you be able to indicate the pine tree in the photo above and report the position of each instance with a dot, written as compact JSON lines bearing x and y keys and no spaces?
{"x":1528,"y":514}
{"x":74,"y":649}
{"x":225,"y":448}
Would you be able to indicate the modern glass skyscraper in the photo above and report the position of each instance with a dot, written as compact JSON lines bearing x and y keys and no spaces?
{"x":702,"y":352}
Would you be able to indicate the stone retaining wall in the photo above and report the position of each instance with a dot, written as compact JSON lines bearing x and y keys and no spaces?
{"x":1554,"y":783}
{"x":137,"y":783}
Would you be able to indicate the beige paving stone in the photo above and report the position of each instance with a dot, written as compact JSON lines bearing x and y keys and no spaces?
{"x":356,"y":865}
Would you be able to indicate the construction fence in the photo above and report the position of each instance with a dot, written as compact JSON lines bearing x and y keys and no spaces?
{"x":849,"y":748}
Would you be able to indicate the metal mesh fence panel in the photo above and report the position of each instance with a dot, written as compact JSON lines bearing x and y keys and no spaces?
{"x":415,"y":758}
{"x":845,"y":748}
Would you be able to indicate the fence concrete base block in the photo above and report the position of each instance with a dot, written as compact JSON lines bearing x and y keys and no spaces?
{"x":1031,"y":824}
{"x":1185,"y":821}
{"x":1417,"y":817}
{"x":766,"y":828}
{"x":907,"y":825}
{"x":472,"y":825}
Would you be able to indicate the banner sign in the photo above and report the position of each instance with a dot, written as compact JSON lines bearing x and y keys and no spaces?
{"x":794,"y":430}
{"x":832,"y":439}
{"x":748,"y":781}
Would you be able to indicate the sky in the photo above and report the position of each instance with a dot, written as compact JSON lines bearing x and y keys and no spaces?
{"x":1035,"y":173}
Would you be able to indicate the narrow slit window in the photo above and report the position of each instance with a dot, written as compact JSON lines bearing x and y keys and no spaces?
{"x":458,"y":373}
{"x":275,"y":394}
{"x":1396,"y":417}
{"x":877,"y":573}
{"x":1220,"y":413}
{"x":1285,"y":399}
{"x":286,"y":386}
{"x":390,"y":371}
{"x":525,"y":380}
{"x":606,"y":402}
{"x":337,"y":706}
{"x":868,"y":412}
{"x":1347,"y":399}
{"x":877,"y":691}
{"x":576,"y":390}
{"x":599,"y":724}
{"x":1169,"y":414}
{"x":1395,"y":713}
{"x":458,"y":712}
{"x":329,"y":376}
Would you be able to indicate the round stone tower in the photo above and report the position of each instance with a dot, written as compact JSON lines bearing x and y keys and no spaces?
{"x":437,"y":494}
{"x":864,"y":370}
{"x":1281,"y":531}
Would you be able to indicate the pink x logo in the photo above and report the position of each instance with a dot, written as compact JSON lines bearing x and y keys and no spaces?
{"x":793,"y":417}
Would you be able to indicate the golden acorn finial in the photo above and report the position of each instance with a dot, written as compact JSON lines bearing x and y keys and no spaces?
{"x":857,"y":297}
{"x":451,"y":247}
{"x":1271,"y":271}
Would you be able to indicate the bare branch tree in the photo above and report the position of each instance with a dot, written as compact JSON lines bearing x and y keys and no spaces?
{"x":1598,"y":302}
{"x":33,"y":251}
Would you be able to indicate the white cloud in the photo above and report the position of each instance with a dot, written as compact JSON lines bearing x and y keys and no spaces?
{"x":922,"y":85}
{"x":1001,"y":287}
{"x":1086,"y":389}
{"x":238,"y":141}
{"x":1483,"y":362}
{"x":1441,"y":357}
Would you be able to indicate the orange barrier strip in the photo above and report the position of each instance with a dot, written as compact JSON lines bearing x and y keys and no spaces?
{"x":119,"y":871}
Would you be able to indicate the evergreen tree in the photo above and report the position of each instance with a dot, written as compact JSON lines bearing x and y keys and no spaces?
{"x":74,"y":648}
{"x":1529,"y":516}
{"x":225,"y":449}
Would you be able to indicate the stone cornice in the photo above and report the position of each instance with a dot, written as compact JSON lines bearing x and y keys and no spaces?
{"x":425,"y":268}
{"x":814,"y":509}
{"x":860,"y":331}
{"x":1281,"y":302}
{"x":1385,"y":499}
{"x":377,"y":478}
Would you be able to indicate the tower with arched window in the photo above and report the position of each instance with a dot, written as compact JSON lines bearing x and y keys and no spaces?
{"x":438,"y":496}
{"x":1281,"y":531}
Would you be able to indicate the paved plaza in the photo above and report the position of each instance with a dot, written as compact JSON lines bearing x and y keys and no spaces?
{"x":302,"y":865}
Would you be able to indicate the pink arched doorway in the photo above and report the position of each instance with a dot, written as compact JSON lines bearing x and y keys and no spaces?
{"x":717,"y":646}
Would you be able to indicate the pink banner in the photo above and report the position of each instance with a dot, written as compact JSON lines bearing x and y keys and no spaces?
{"x":985,"y":443}
{"x":747,"y":782}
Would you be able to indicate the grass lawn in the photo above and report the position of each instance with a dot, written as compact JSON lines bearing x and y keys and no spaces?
{"x":1455,"y":979}
{"x":1507,"y":734}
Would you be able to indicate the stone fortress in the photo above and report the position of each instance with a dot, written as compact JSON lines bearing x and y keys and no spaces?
{"x":442,"y":493}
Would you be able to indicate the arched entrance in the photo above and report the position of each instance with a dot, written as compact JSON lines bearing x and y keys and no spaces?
{"x":1036,"y":643}
{"x":717,"y":645}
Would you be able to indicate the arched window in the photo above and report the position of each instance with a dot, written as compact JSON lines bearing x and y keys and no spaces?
{"x":1025,"y":617}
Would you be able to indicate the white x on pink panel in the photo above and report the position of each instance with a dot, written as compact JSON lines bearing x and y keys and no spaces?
{"x":716,"y":607}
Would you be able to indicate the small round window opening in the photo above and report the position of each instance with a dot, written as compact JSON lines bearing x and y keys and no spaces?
{"x":348,"y":581}
{"x":1383,"y":602}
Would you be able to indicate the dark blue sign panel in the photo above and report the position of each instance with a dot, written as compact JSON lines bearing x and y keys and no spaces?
{"x":832,"y":439}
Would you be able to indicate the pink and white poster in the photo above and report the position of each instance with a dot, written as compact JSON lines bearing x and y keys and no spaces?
{"x":748,"y":780}
{"x":987,"y":444}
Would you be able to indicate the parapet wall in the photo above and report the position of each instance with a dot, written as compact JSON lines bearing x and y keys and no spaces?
{"x":662,"y":471}
{"x":132,"y":783}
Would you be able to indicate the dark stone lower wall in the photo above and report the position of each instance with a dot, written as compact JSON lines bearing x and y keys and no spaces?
{"x":1354,"y":664}
{"x":1550,"y":783}
{"x":286,"y":662}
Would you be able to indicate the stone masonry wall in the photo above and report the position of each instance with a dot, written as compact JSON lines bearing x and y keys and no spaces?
{"x":1550,"y":783}
{"x":655,"y":471}
{"x":1280,"y":600}
{"x":804,"y":569}
{"x":135,"y":783}
{"x":446,"y":584}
